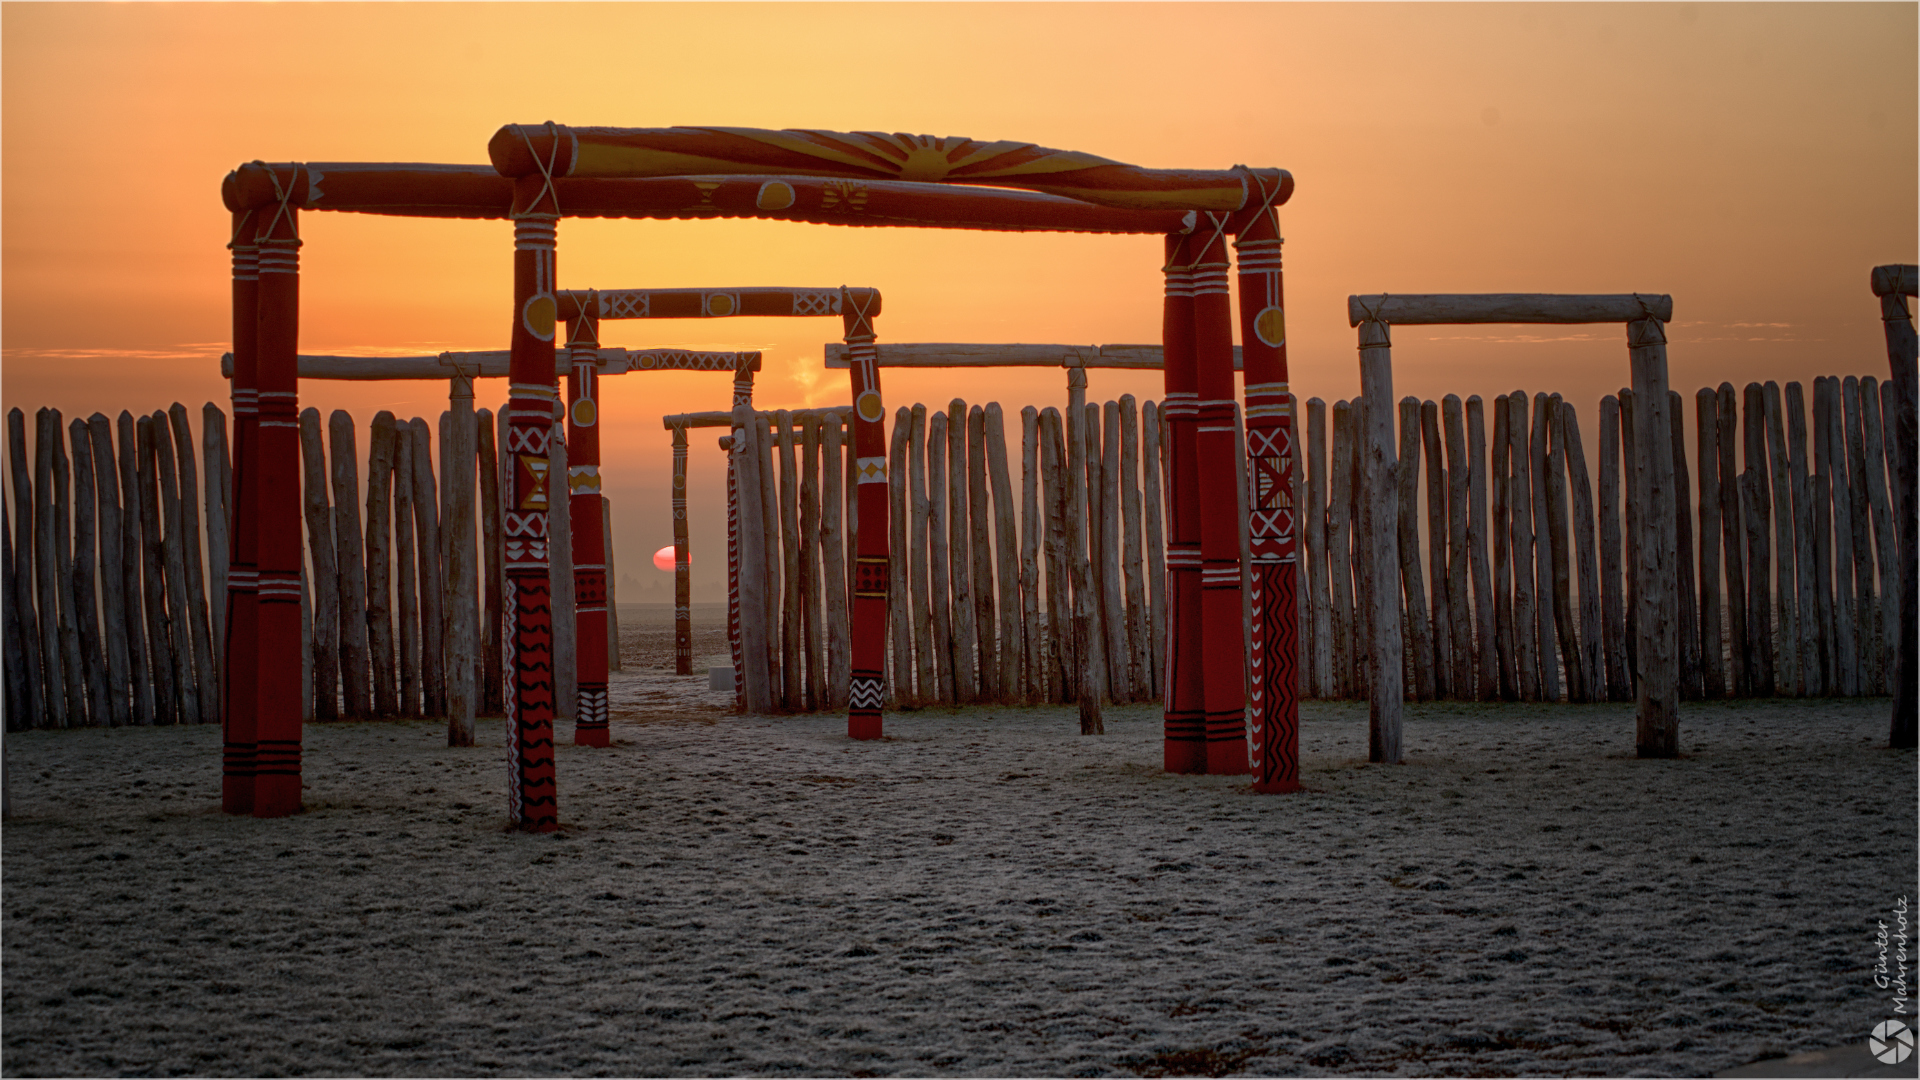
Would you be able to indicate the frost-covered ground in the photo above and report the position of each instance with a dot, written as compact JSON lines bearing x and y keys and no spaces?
{"x":985,"y":891}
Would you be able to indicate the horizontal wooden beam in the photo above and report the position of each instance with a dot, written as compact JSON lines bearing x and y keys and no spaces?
{"x":494,"y":364}
{"x":1438,"y":309}
{"x":1896,"y":278}
{"x":725,"y":419}
{"x":937,"y":354}
{"x":776,"y":302}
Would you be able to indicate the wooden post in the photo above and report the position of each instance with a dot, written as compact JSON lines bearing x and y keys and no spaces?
{"x":1184,"y":714}
{"x":899,"y":609}
{"x":1727,"y":421}
{"x":1460,"y":615}
{"x":1012,"y":631}
{"x":1545,"y":610}
{"x":1420,"y":631}
{"x":929,"y":669}
{"x":1243,"y":524}
{"x":493,"y":651}
{"x":1810,"y":643}
{"x":18,"y":717}
{"x":459,"y":466}
{"x":406,"y":586}
{"x":1439,"y":609}
{"x":1085,"y":685}
{"x":1155,"y":548}
{"x":1759,"y":544}
{"x":1893,"y":284}
{"x":1376,"y":381}
{"x":1139,"y":631}
{"x":1688,"y":620}
{"x":93,"y":651}
{"x":1657,"y":731}
{"x":791,"y":675}
{"x":426,"y":525}
{"x":1359,"y":513}
{"x":755,"y":630}
{"x":1090,"y":479}
{"x":1614,"y":683}
{"x":26,"y":579}
{"x":1339,"y":553}
{"x":1787,"y":675}
{"x":1846,"y":604}
{"x":833,"y":552}
{"x":939,"y":507}
{"x":160,"y":638}
{"x":219,"y":501}
{"x":1506,"y":660}
{"x":1486,"y":652}
{"x":560,"y":571}
{"x":186,"y":669}
{"x":1713,"y":666}
{"x":813,"y":608}
{"x":139,"y":655}
{"x":118,"y":631}
{"x":1114,"y":621}
{"x":980,"y":531}
{"x":682,"y":567}
{"x":866,"y":681}
{"x":1561,"y":554}
{"x":1061,"y":675}
{"x":1217,"y":458}
{"x":1526,"y":640}
{"x":1592,"y":653}
{"x":1318,"y":589}
{"x":1826,"y":581}
{"x":1887,"y":617}
{"x":59,"y":507}
{"x":1866,"y":601}
{"x":613,"y":588}
{"x":195,"y":615}
{"x":966,"y":669}
{"x":324,"y":554}
{"x":1034,"y":661}
{"x":349,"y":563}
{"x":379,"y":621}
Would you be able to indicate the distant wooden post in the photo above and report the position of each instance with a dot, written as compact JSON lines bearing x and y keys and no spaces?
{"x":833,"y":562}
{"x":458,"y":468}
{"x":138,"y":654}
{"x":682,"y":568}
{"x":1811,"y":680}
{"x":25,"y":580}
{"x":966,"y":667}
{"x":1546,"y":607}
{"x":929,"y":664}
{"x":1339,"y":554}
{"x":1657,"y":709}
{"x":1865,"y":597}
{"x":1689,"y":611}
{"x":425,"y":502}
{"x":1592,"y":653}
{"x":493,"y":651}
{"x":1486,"y":653}
{"x":1034,"y":662}
{"x":323,"y":553}
{"x":949,"y":658}
{"x":161,"y":632}
{"x":1713,"y":666}
{"x":1887,"y":618}
{"x":219,"y":501}
{"x":1756,"y":525}
{"x":754,"y":637}
{"x":93,"y":649}
{"x":1062,"y":675}
{"x":1460,"y":616}
{"x":1523,"y":551}
{"x":1318,"y":590}
{"x":1732,"y":530}
{"x":812,"y":607}
{"x":1376,"y":383}
{"x":1893,"y":284}
{"x":1426,"y":432}
{"x":1499,"y":471}
{"x":1012,"y":631}
{"x":379,"y":551}
{"x":900,"y":682}
{"x":1787,"y":674}
{"x":980,"y":531}
{"x":120,"y":627}
{"x":1420,"y":632}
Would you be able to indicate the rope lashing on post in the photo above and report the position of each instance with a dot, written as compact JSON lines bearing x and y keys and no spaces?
{"x":547,"y":190}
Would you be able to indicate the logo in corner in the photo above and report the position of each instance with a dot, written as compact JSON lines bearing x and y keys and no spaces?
{"x":1891,"y":1042}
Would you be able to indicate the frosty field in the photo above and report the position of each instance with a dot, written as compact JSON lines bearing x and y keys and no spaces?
{"x":985,"y":891}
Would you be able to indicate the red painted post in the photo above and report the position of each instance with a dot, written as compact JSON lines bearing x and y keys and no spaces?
{"x":240,"y":667}
{"x":532,"y":797}
{"x":589,"y":535}
{"x":1185,"y":709}
{"x":867,"y":686}
{"x":1275,"y":646}
{"x":276,"y":771}
{"x":1223,"y":656}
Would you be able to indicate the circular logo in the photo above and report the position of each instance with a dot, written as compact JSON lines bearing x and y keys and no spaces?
{"x":538,"y":316}
{"x":1892,"y":1043}
{"x":719,"y":304}
{"x":585,"y":412}
{"x":774,"y":195}
{"x":871,"y":410}
{"x":1271,"y":326}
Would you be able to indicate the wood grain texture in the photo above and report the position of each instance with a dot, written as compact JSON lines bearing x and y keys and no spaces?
{"x":350,"y":564}
{"x":1113,"y":608}
{"x":1656,"y":714}
{"x":118,"y":630}
{"x":1153,"y":457}
{"x":1132,"y":558}
{"x":1486,"y":664}
{"x":1560,"y":550}
{"x":813,"y":624}
{"x":431,"y":580}
{"x":1459,"y":613}
{"x":219,"y":503}
{"x":1587,"y":561}
{"x":1460,"y":308}
{"x":939,"y":559}
{"x":459,"y":466}
{"x":1006,"y":544}
{"x":792,"y":674}
{"x":86,"y":572}
{"x":766,"y":446}
{"x":1787,"y":673}
{"x":1056,"y":499}
{"x":1439,"y":607}
{"x":929,"y":670}
{"x":1318,"y":595}
{"x":1713,"y":643}
{"x":833,"y":561}
{"x":1339,"y":553}
{"x":966,"y":668}
{"x":1759,"y":541}
{"x":1733,"y":547}
{"x":900,"y":680}
{"x":980,"y":536}
{"x":1383,"y":498}
{"x":1688,"y":612}
{"x":153,"y":585}
{"x":1033,"y":629}
{"x":406,"y":585}
{"x":1872,"y":665}
{"x":1833,"y":589}
{"x":1500,"y":473}
{"x":139,"y":656}
{"x":1810,"y":644}
{"x":1885,"y":542}
{"x":1409,"y":575}
{"x":323,"y":555}
{"x":174,"y":553}
{"x":25,"y":575}
{"x":755,"y":631}
{"x":1521,"y":519}
{"x":1545,"y":609}
{"x":200,"y":621}
{"x":493,"y":650}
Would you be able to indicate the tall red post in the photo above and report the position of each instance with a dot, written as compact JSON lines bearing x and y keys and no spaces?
{"x":532,"y":796}
{"x":240,"y":685}
{"x":589,"y":534}
{"x":276,"y":484}
{"x":1223,"y":657}
{"x":1274,"y":693}
{"x":1185,"y":708}
{"x":867,"y":685}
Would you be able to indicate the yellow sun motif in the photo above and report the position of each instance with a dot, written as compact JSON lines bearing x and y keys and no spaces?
{"x":539,"y":316}
{"x":1271,"y":326}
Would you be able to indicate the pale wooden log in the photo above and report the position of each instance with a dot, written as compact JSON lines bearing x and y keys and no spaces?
{"x":1545,"y":615}
{"x":1688,"y":613}
{"x":959,"y":354}
{"x":349,"y":561}
{"x":1506,"y":640}
{"x":939,"y":558}
{"x":186,"y":670}
{"x":900,"y":680}
{"x":1657,"y":724}
{"x":1094,"y":479}
{"x":379,"y":552}
{"x":1420,"y":629}
{"x":1870,"y":666}
{"x":755,"y":630}
{"x":1376,"y":383}
{"x":833,"y":550}
{"x":1787,"y":674}
{"x":432,"y":583}
{"x":46,"y":565}
{"x":1112,"y":604}
{"x":613,"y":587}
{"x":1759,"y":543}
{"x":766,"y":445}
{"x":1006,"y":545}
{"x":1713,"y":665}
{"x":1033,"y":633}
{"x":1151,"y":444}
{"x":160,"y":635}
{"x":1831,"y":542}
{"x":1560,"y":553}
{"x":1810,"y":643}
{"x":791,"y":673}
{"x":930,"y":676}
{"x":1633,"y":537}
{"x":812,"y":604}
{"x":1438,"y":608}
{"x":1592,"y":653}
{"x":1485,"y":653}
{"x":1613,"y":619}
{"x":73,"y":658}
{"x":1339,"y":552}
{"x":1088,"y":664}
{"x":1053,"y":469}
{"x":323,"y":552}
{"x":1131,"y":557}
{"x":966,"y":668}
{"x":132,"y":561}
{"x":113,"y":576}
{"x":980,"y":531}
{"x":406,"y":581}
{"x":1459,"y":614}
{"x":219,"y":502}
{"x":1733,"y":548}
{"x":1460,"y":308}
{"x":1525,"y":626}
{"x":86,"y":562}
{"x":458,"y":467}
{"x":200,"y":626}
{"x":25,"y":576}
{"x":1313,"y":530}
{"x":1885,"y":541}
{"x":1361,"y":533}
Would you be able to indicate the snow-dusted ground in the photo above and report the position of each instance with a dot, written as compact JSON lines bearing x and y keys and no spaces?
{"x":985,"y":891}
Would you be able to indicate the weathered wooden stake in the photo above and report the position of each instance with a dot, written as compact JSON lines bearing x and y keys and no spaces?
{"x":1439,"y":611}
{"x":1486,"y":661}
{"x":93,"y":650}
{"x":1420,"y":631}
{"x":1713,"y":665}
{"x":1787,"y":674}
{"x":1657,"y":718}
{"x":929,"y":666}
{"x":1033,"y":630}
{"x":1012,"y":630}
{"x":939,"y":507}
{"x":1376,"y":382}
{"x":1592,"y":651}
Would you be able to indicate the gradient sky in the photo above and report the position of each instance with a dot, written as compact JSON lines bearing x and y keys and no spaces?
{"x":1755,"y":161}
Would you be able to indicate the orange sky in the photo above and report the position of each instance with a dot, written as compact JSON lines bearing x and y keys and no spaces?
{"x":1752,"y":160}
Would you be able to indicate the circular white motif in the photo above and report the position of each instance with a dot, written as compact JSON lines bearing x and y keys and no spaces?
{"x":1892,"y":1043}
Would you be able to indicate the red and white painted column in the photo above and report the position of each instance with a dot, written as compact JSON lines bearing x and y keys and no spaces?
{"x":240,"y":684}
{"x":1223,"y":657}
{"x":1185,"y":709}
{"x":589,"y":534}
{"x":1274,"y":690}
{"x":867,"y":684}
{"x":532,"y":796}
